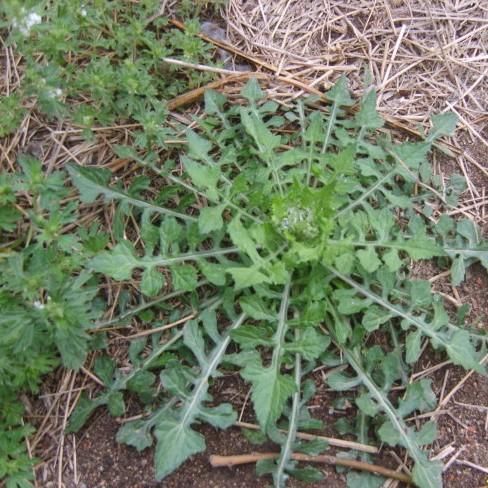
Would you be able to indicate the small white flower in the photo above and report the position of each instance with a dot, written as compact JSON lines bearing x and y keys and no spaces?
{"x":32,"y":19}
{"x":25,"y":24}
{"x":54,"y":92}
{"x":40,"y":306}
{"x":83,"y":12}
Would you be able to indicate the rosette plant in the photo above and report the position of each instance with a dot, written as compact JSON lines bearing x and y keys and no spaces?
{"x":280,"y":240}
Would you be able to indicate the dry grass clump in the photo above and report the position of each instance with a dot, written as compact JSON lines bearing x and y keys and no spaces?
{"x":412,"y":47}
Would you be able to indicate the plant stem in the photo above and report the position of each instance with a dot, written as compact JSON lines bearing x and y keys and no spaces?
{"x":311,"y":437}
{"x":202,"y":386}
{"x":365,"y":195}
{"x":226,"y":461}
{"x":331,"y":123}
{"x":287,"y":448}
{"x":191,"y":188}
{"x":100,"y":326}
{"x":279,"y":338}
{"x":192,"y":256}
{"x":398,"y":423}
{"x":418,"y":322}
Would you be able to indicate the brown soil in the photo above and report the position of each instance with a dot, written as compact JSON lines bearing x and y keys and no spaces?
{"x":104,"y":463}
{"x":465,"y":427}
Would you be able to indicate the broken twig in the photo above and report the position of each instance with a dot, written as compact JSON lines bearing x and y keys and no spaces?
{"x":221,"y":461}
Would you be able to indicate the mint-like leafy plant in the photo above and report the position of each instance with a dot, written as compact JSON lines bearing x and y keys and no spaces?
{"x":47,"y":300}
{"x":99,"y":62}
{"x":284,"y":238}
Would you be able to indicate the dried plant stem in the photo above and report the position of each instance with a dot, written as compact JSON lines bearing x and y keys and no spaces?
{"x":159,"y":329}
{"x":199,"y":67}
{"x":229,"y":47}
{"x":194,"y":95}
{"x":330,"y":440}
{"x":225,"y":461}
